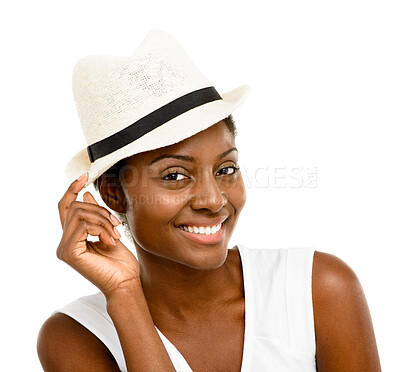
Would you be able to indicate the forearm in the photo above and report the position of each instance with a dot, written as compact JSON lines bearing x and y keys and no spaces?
{"x":141,"y":344}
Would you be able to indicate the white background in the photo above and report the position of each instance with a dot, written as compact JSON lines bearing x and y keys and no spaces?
{"x":324,"y":103}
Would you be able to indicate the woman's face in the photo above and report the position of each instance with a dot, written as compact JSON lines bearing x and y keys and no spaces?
{"x":183,"y":201}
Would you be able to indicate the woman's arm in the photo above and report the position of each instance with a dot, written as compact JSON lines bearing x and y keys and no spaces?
{"x":345,"y":339}
{"x":142,"y":346}
{"x":64,"y":345}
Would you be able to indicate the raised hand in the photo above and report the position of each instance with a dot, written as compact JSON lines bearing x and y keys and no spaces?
{"x":107,"y":263}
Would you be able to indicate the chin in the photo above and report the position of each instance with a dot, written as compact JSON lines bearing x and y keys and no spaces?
{"x":208,"y":258}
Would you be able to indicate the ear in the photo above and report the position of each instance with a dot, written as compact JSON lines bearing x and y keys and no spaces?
{"x":111,"y":192}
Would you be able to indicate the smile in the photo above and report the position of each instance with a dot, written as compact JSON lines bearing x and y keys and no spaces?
{"x":203,"y":234}
{"x":207,"y":230}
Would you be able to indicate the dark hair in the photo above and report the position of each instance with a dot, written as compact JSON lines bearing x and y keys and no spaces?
{"x":230,"y":123}
{"x":114,"y":171}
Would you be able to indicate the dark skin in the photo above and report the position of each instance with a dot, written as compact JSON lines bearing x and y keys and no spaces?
{"x":194,"y":291}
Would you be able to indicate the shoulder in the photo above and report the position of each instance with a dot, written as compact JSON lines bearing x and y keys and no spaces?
{"x":344,"y":332}
{"x":61,"y":342}
{"x":334,"y":283}
{"x":330,"y":272}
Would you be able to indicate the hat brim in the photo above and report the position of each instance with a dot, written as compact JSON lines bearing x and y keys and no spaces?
{"x":173,"y":131}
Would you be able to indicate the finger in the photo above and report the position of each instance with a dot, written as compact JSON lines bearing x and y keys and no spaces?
{"x":91,"y":216}
{"x":73,"y":247}
{"x":85,"y":229}
{"x":88,"y":198}
{"x":90,"y":207}
{"x":70,"y":195}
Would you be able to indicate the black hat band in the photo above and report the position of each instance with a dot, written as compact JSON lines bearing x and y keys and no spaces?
{"x":151,"y":121}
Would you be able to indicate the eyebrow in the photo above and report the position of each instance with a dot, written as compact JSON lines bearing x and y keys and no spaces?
{"x":189,"y":158}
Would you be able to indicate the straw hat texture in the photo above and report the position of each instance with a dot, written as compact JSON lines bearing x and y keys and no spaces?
{"x":154,"y":98}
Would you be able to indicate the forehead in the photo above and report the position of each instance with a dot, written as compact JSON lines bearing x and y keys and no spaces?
{"x":208,"y":143}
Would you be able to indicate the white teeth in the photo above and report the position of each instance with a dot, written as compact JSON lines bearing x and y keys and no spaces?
{"x":208,"y":230}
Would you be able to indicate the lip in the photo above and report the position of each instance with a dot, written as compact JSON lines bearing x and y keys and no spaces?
{"x":204,"y":238}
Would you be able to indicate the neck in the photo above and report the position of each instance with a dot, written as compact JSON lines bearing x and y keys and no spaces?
{"x":175,"y":290}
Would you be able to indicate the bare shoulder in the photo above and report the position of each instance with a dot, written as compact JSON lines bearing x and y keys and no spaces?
{"x":65,"y":345}
{"x":343,"y":327}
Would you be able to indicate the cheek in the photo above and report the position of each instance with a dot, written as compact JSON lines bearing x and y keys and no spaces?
{"x":150,"y":216}
{"x":237,"y":195}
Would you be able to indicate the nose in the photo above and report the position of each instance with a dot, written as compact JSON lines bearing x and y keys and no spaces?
{"x":208,"y":195}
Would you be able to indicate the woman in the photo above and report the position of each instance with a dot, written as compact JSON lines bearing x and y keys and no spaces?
{"x":188,"y":303}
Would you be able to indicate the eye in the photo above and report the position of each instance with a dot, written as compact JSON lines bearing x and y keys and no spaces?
{"x":227,"y":171}
{"x":175,"y":176}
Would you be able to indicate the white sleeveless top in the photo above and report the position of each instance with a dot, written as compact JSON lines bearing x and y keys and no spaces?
{"x":279,"y":319}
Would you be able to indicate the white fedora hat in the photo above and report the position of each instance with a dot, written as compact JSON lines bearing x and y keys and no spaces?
{"x":154,"y":98}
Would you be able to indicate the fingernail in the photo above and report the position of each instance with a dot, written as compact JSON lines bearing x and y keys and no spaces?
{"x":114,"y":220}
{"x":112,"y":239}
{"x":117,"y":233}
{"x":81,"y":177}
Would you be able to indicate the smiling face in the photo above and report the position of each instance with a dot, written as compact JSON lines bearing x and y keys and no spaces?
{"x":182,"y":201}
